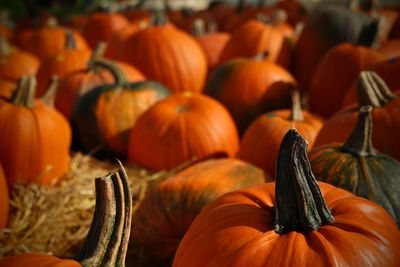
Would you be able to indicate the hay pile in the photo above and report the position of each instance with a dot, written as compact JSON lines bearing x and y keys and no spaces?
{"x":55,"y":220}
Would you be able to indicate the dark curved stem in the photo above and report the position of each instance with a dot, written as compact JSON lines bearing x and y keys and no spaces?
{"x":300,"y":205}
{"x":297,"y":112}
{"x":359,"y":142}
{"x":50,"y":96}
{"x":25,"y":93}
{"x":107,"y":241}
{"x":69,"y":40}
{"x":119,"y":76}
{"x":372,"y":90}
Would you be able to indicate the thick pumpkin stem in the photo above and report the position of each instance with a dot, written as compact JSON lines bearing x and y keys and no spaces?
{"x":297,"y":112}
{"x":98,"y":53}
{"x":49,"y":96}
{"x":119,"y":76}
{"x":359,"y":142}
{"x":275,"y":19}
{"x":5,"y":48}
{"x":199,"y":28}
{"x":372,"y":90}
{"x":107,"y":241}
{"x":69,"y":40}
{"x":261,"y":56}
{"x":300,"y":205}
{"x":159,"y":18}
{"x":25,"y":93}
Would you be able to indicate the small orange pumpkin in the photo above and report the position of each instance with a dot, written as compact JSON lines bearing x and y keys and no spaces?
{"x":4,"y":200}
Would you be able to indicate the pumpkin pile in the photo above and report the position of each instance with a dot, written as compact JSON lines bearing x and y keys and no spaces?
{"x":223,"y":135}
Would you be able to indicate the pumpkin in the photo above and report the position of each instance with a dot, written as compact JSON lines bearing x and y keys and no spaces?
{"x":180,"y":127}
{"x":99,"y":27}
{"x":167,"y":55}
{"x":250,"y":87}
{"x":212,"y":43}
{"x":117,"y":39}
{"x":107,"y":240}
{"x":261,"y":141}
{"x":4,"y":200}
{"x":49,"y":41}
{"x":388,"y":70}
{"x":292,"y":222}
{"x":35,"y":138}
{"x":371,"y":90}
{"x":79,"y":82}
{"x":170,"y":206}
{"x":254,"y":37}
{"x":395,"y":31}
{"x":105,"y":114}
{"x":327,"y":27}
{"x":6,"y":88}
{"x":358,"y":168}
{"x":335,"y":75}
{"x":14,"y":64}
{"x":390,"y":49}
{"x":62,"y":63}
{"x":6,"y":32}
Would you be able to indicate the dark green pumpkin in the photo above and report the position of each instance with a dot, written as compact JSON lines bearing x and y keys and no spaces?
{"x":170,"y":206}
{"x":358,"y":168}
{"x":103,"y":117}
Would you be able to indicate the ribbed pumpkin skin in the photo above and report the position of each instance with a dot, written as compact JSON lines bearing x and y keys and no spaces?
{"x":335,"y":74}
{"x":6,"y":88}
{"x":261,"y":141}
{"x":34,"y":143}
{"x":255,"y":37}
{"x":37,"y":260}
{"x":213,"y":44}
{"x":371,"y":177}
{"x":17,"y":64}
{"x":388,"y":70}
{"x":106,"y":114}
{"x":100,"y":26}
{"x":179,"y":128}
{"x":170,"y":206}
{"x":385,"y":121}
{"x":61,"y":64}
{"x":168,"y":56}
{"x":236,"y":230}
{"x":249,"y":88}
{"x":47,"y":42}
{"x":4,"y":200}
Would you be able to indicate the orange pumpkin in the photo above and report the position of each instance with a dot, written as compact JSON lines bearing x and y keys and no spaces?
{"x":6,"y":88}
{"x":292,"y":222}
{"x":371,"y":90}
{"x":261,"y":141}
{"x":49,"y":41}
{"x":254,"y":37}
{"x":170,"y":206}
{"x":250,"y":87}
{"x":14,"y":64}
{"x":4,"y":200}
{"x":335,"y":75}
{"x":99,"y":27}
{"x":69,"y":60}
{"x":37,"y":260}
{"x":390,"y":49}
{"x":167,"y":55}
{"x":35,"y":138}
{"x":180,"y":127}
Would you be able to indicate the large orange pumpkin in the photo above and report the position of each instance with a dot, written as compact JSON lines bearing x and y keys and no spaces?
{"x":4,"y":200}
{"x":14,"y":64}
{"x":335,"y":74}
{"x":170,"y":206}
{"x":249,"y":88}
{"x":292,"y":222}
{"x":371,"y":90}
{"x":35,"y":138}
{"x":107,"y":240}
{"x":261,"y":141}
{"x":169,"y":56}
{"x":181,"y":127}
{"x":254,"y":37}
{"x":100,"y":26}
{"x":69,"y":60}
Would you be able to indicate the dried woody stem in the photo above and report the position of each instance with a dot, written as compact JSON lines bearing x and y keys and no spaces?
{"x":49,"y":96}
{"x":107,"y":241}
{"x":25,"y":93}
{"x":297,"y":113}
{"x":300,"y":205}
